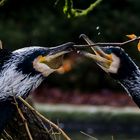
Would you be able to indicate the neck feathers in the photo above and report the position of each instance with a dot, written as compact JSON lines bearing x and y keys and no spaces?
{"x":132,"y":85}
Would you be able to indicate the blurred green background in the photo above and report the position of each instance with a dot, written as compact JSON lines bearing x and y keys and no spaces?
{"x":28,"y":23}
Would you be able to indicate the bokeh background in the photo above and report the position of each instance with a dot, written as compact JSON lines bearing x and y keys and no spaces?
{"x":43,"y":23}
{"x":28,"y":23}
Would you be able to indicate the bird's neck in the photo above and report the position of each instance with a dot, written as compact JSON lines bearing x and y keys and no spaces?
{"x":17,"y":84}
{"x":132,"y":85}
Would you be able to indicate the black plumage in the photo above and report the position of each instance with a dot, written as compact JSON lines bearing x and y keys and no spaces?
{"x":23,"y":70}
{"x":117,"y":63}
{"x":128,"y":74}
{"x":126,"y":67}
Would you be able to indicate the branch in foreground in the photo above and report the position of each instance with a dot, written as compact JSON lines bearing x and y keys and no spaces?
{"x":15,"y":130}
{"x":109,"y":44}
{"x":24,"y":120}
{"x":44,"y":119}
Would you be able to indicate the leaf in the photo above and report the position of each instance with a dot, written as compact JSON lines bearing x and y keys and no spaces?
{"x":138,"y":46}
{"x":131,"y":36}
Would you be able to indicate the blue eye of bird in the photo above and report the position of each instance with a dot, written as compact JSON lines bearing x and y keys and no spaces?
{"x":108,"y":51}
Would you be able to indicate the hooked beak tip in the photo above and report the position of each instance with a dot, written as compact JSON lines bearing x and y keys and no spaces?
{"x":100,"y":57}
{"x":82,"y":36}
{"x":70,"y":43}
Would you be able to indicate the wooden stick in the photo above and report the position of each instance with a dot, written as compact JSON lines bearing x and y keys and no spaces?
{"x":8,"y":136}
{"x":88,"y":135}
{"x":1,"y":45}
{"x":24,"y":120}
{"x":43,"y":118}
{"x":108,"y":44}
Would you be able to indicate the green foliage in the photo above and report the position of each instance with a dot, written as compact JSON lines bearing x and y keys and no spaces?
{"x":71,"y":12}
{"x":2,"y":2}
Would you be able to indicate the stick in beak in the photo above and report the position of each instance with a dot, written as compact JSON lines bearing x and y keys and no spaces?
{"x":97,"y":50}
{"x":100,"y":57}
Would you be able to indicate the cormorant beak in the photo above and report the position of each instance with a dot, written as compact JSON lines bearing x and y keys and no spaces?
{"x":55,"y":57}
{"x":100,"y":57}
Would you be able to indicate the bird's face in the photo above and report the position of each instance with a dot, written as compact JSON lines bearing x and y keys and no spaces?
{"x":42,"y":60}
{"x":113,"y":60}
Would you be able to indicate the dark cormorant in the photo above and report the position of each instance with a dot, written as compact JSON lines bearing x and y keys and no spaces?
{"x":23,"y":70}
{"x":116,"y":62}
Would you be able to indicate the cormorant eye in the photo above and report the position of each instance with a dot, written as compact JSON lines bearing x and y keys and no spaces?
{"x":109,"y":51}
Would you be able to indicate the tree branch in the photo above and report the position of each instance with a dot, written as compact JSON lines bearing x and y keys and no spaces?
{"x":108,"y":44}
{"x":24,"y":120}
{"x":43,"y":118}
{"x":72,"y":12}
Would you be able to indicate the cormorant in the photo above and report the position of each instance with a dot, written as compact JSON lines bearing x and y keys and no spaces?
{"x":117,"y":63}
{"x":23,"y":70}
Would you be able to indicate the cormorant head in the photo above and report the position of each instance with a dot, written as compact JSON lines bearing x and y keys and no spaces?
{"x":23,"y":70}
{"x":113,"y":60}
{"x":40,"y":60}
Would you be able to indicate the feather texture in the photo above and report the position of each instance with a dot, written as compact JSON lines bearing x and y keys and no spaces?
{"x":14,"y":80}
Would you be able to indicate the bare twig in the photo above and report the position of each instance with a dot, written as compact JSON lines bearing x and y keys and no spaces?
{"x":44,"y":119}
{"x":8,"y":136}
{"x":52,"y":132}
{"x":108,"y":44}
{"x":55,"y":133}
{"x":40,"y":121}
{"x":59,"y":133}
{"x":24,"y":120}
{"x":1,"y":45}
{"x":70,"y":11}
{"x":88,"y":135}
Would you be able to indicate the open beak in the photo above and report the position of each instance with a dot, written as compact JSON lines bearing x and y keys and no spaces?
{"x":100,"y":57}
{"x":55,"y":57}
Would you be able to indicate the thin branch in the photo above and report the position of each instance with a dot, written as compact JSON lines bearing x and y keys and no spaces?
{"x":80,"y":12}
{"x":43,"y":118}
{"x":88,"y":135}
{"x":8,"y":136}
{"x":108,"y":44}
{"x":24,"y":120}
{"x":40,"y":121}
{"x":1,"y":45}
{"x":55,"y":133}
{"x":70,"y":11}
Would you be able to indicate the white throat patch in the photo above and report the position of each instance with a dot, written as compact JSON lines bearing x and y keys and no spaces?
{"x":42,"y":68}
{"x":114,"y":65}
